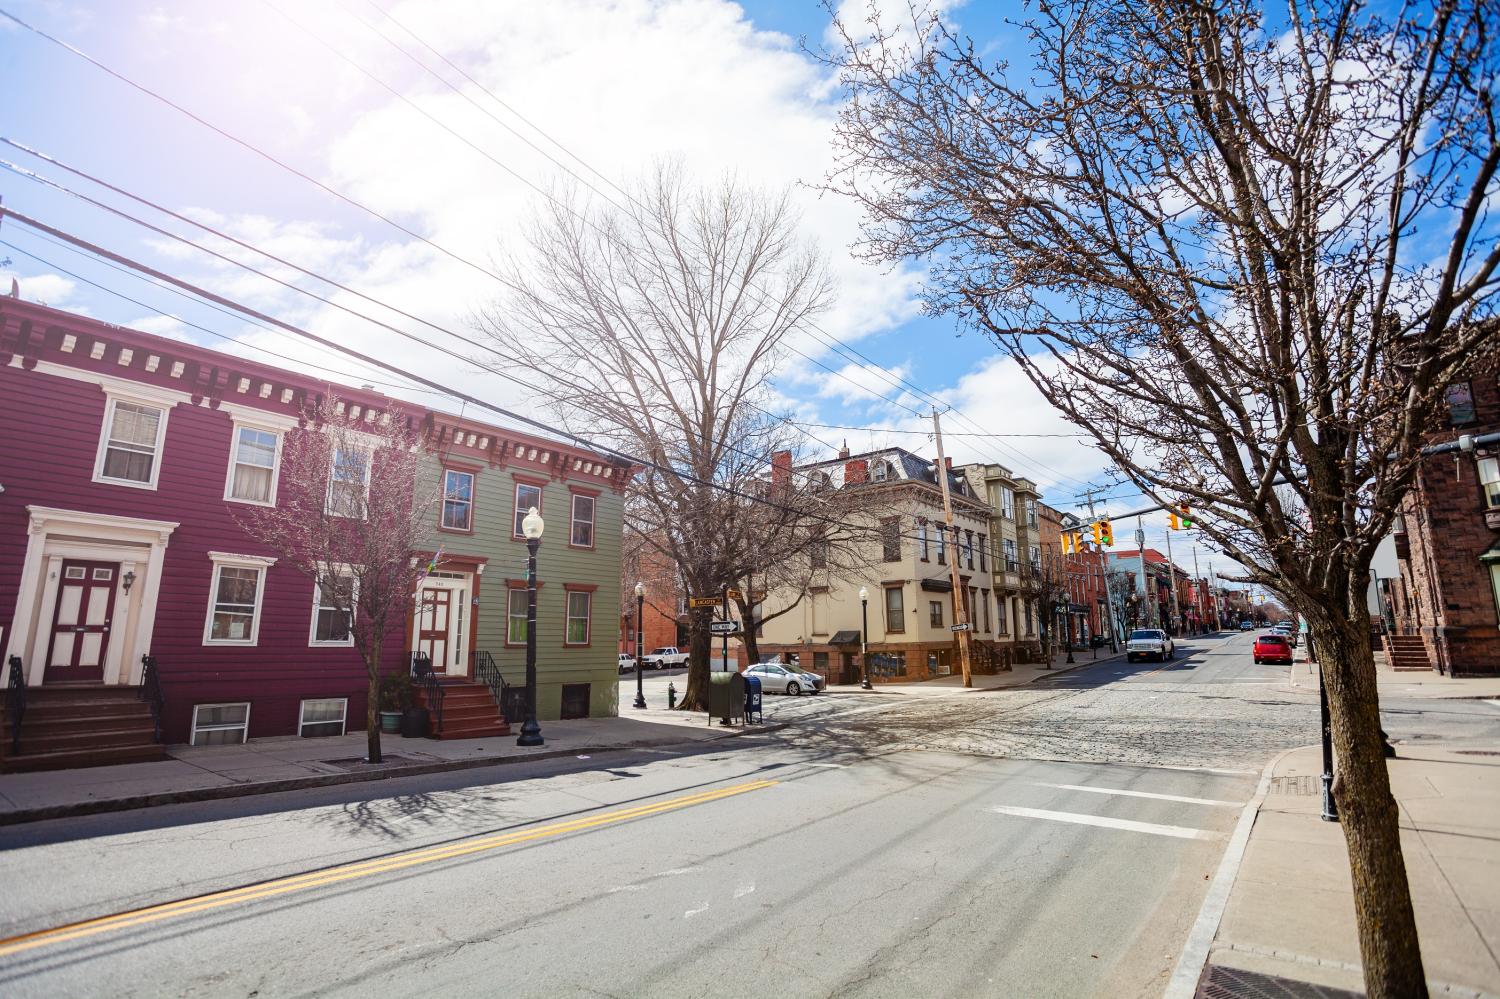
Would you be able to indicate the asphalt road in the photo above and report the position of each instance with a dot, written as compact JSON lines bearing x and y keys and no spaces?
{"x":1048,"y":841}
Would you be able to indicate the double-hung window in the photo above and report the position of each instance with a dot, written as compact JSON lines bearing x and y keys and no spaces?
{"x":969,"y":549}
{"x":515,"y":617}
{"x":922,"y":550}
{"x":1010,"y":553}
{"x":580,"y":603}
{"x":582,"y":533}
{"x":252,"y":466}
{"x":527,"y":496}
{"x":1007,"y":503}
{"x":334,"y":597}
{"x":234,"y":599}
{"x":1031,"y":512}
{"x":458,"y":500}
{"x":1489,"y":481}
{"x":942,"y":543}
{"x":130,"y":449}
{"x":890,"y":539}
{"x":895,"y":609}
{"x":349,"y":482}
{"x":984,"y":560}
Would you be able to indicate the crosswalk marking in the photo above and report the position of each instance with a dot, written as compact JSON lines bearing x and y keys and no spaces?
{"x":1078,"y":818}
{"x":1142,"y":794}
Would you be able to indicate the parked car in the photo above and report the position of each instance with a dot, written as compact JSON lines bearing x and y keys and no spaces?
{"x":1152,"y":642}
{"x":1272,"y":648}
{"x":776,"y":678}
{"x":627,"y":663}
{"x":1247,"y":625}
{"x":1286,"y":631}
{"x":666,"y":657}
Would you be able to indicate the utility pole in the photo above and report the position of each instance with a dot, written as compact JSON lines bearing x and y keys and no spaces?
{"x":1172,"y":581}
{"x":1110,"y":620}
{"x":1197,"y":585}
{"x":960,"y":618}
{"x":1148,"y":601}
{"x":1213,"y":597}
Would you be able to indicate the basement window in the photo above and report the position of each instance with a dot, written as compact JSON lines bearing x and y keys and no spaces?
{"x":325,"y":716}
{"x":220,"y":724}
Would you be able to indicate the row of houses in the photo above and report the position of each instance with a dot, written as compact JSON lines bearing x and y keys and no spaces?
{"x":128,"y":459}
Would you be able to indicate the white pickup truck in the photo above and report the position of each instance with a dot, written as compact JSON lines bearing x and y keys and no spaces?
{"x":1151,"y":642}
{"x":666,"y":657}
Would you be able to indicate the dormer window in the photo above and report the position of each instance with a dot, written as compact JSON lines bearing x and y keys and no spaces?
{"x":820,"y":483}
{"x":883,"y":470}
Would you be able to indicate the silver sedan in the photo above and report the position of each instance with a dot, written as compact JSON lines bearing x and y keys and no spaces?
{"x":778,"y":679}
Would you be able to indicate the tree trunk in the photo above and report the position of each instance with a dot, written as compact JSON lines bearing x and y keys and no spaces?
{"x":747,"y":637}
{"x":372,"y":707}
{"x":1367,"y":811}
{"x":695,"y":697}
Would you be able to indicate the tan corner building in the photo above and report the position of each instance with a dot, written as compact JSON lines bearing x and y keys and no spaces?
{"x":907,"y":577}
{"x":1015,"y":528}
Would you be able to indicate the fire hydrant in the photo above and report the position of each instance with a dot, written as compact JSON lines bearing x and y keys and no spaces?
{"x":671,"y":696}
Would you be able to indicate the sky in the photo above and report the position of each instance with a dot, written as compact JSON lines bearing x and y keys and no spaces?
{"x":349,"y":94}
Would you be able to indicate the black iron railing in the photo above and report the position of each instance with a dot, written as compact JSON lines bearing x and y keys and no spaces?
{"x":487,"y":673}
{"x":424,"y":677}
{"x":151,"y":692}
{"x":15,"y":702}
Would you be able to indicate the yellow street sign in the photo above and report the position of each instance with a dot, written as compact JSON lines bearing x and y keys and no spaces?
{"x":697,"y":603}
{"x":736,"y":595}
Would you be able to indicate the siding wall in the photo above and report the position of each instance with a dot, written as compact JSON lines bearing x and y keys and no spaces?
{"x":53,"y":426}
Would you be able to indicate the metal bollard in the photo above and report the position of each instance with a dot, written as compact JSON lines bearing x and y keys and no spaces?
{"x":671,"y":696}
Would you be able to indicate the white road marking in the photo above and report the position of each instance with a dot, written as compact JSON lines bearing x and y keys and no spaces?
{"x":1493,"y":704}
{"x":1142,"y":794}
{"x":831,"y":766}
{"x":744,"y":890}
{"x":1079,"y":818}
{"x":674,"y":871}
{"x":690,"y":913}
{"x":1203,"y":770}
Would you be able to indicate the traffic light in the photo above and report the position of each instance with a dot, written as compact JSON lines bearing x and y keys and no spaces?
{"x":1179,"y":518}
{"x":1098,"y":534}
{"x":1106,"y":533}
{"x":1185,"y":516}
{"x":1072,"y":542}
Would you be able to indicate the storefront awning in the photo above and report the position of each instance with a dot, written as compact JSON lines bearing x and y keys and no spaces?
{"x":845,"y":638}
{"x":938,"y":585}
{"x":1491,"y":554}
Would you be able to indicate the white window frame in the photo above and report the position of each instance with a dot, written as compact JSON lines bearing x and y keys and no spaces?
{"x":302,"y":721}
{"x":1007,"y":503}
{"x":317,"y":604}
{"x":443,"y":500}
{"x":510,"y":594}
{"x":574,"y":520}
{"x":568,"y":618}
{"x":369,"y":455}
{"x":1479,"y":468}
{"x":111,"y":400}
{"x":518,"y":512}
{"x":243,"y":728}
{"x":221,"y":560}
{"x":234,"y":446}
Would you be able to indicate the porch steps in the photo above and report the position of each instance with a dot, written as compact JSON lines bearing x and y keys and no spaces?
{"x":1407,"y":653}
{"x":66,"y":727}
{"x":469,"y":712}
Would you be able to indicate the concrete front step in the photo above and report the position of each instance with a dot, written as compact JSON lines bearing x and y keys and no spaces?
{"x":96,"y":757}
{"x":114,"y":737}
{"x":469,"y":712}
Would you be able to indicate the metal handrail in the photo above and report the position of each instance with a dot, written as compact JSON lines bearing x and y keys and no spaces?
{"x":488,"y":673}
{"x":152,"y":693}
{"x":421,"y":671}
{"x":15,"y":703}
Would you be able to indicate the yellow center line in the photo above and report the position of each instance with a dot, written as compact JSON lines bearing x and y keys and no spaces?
{"x":348,"y":872}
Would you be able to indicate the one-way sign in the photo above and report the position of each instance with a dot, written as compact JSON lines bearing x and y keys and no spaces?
{"x":723,"y":627}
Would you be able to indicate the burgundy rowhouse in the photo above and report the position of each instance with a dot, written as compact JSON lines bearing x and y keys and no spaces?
{"x":126,"y":457}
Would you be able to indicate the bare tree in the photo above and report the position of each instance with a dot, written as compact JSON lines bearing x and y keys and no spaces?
{"x":655,"y":324}
{"x":353,"y":515}
{"x":1245,"y":248}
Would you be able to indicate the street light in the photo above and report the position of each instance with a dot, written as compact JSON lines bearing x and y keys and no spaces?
{"x":1330,"y":807}
{"x":531,"y":526}
{"x":640,"y":604}
{"x":864,"y":637}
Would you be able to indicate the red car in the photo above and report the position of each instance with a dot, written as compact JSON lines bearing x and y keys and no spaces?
{"x":1272,"y":649}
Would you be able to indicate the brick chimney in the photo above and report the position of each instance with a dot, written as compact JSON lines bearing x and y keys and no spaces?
{"x":844,"y":451}
{"x":781,"y":469}
{"x":948,"y":461}
{"x":856,"y":471}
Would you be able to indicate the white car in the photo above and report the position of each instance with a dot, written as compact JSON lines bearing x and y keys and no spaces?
{"x":1151,"y":642}
{"x":776,"y":678}
{"x":627,"y":663}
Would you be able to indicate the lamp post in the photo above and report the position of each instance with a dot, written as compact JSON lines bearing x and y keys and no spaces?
{"x":864,"y":637}
{"x":1330,"y":807}
{"x":640,"y":606}
{"x":531,"y":526}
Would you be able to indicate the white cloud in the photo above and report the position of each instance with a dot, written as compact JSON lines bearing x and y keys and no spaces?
{"x":49,"y":289}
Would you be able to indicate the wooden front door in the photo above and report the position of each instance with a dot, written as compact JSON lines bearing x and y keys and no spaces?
{"x":439,"y":623}
{"x":81,"y":621}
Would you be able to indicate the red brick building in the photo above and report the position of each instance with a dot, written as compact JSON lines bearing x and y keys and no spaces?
{"x":1446,"y":599}
{"x":663,"y":611}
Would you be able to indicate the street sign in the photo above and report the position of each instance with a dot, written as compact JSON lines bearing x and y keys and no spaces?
{"x":959,"y":627}
{"x":723,"y":627}
{"x":698,"y":603}
{"x":735,"y":595}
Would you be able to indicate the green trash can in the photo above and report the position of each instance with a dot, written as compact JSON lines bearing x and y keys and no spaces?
{"x":726,"y":698}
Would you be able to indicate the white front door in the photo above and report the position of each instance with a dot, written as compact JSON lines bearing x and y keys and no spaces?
{"x":440,"y":624}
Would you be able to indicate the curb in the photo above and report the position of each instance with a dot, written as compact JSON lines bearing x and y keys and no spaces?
{"x":1184,"y":981}
{"x":155,"y":799}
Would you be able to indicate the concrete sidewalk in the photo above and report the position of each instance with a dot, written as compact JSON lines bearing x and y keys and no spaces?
{"x":1291,"y":911}
{"x":262,"y":766}
{"x":1303,"y":677}
{"x":1019,"y":676}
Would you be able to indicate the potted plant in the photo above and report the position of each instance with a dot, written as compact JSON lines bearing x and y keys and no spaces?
{"x":396,"y":696}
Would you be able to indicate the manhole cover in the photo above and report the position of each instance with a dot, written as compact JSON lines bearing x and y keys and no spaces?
{"x":1232,"y":983}
{"x":1295,"y":785}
